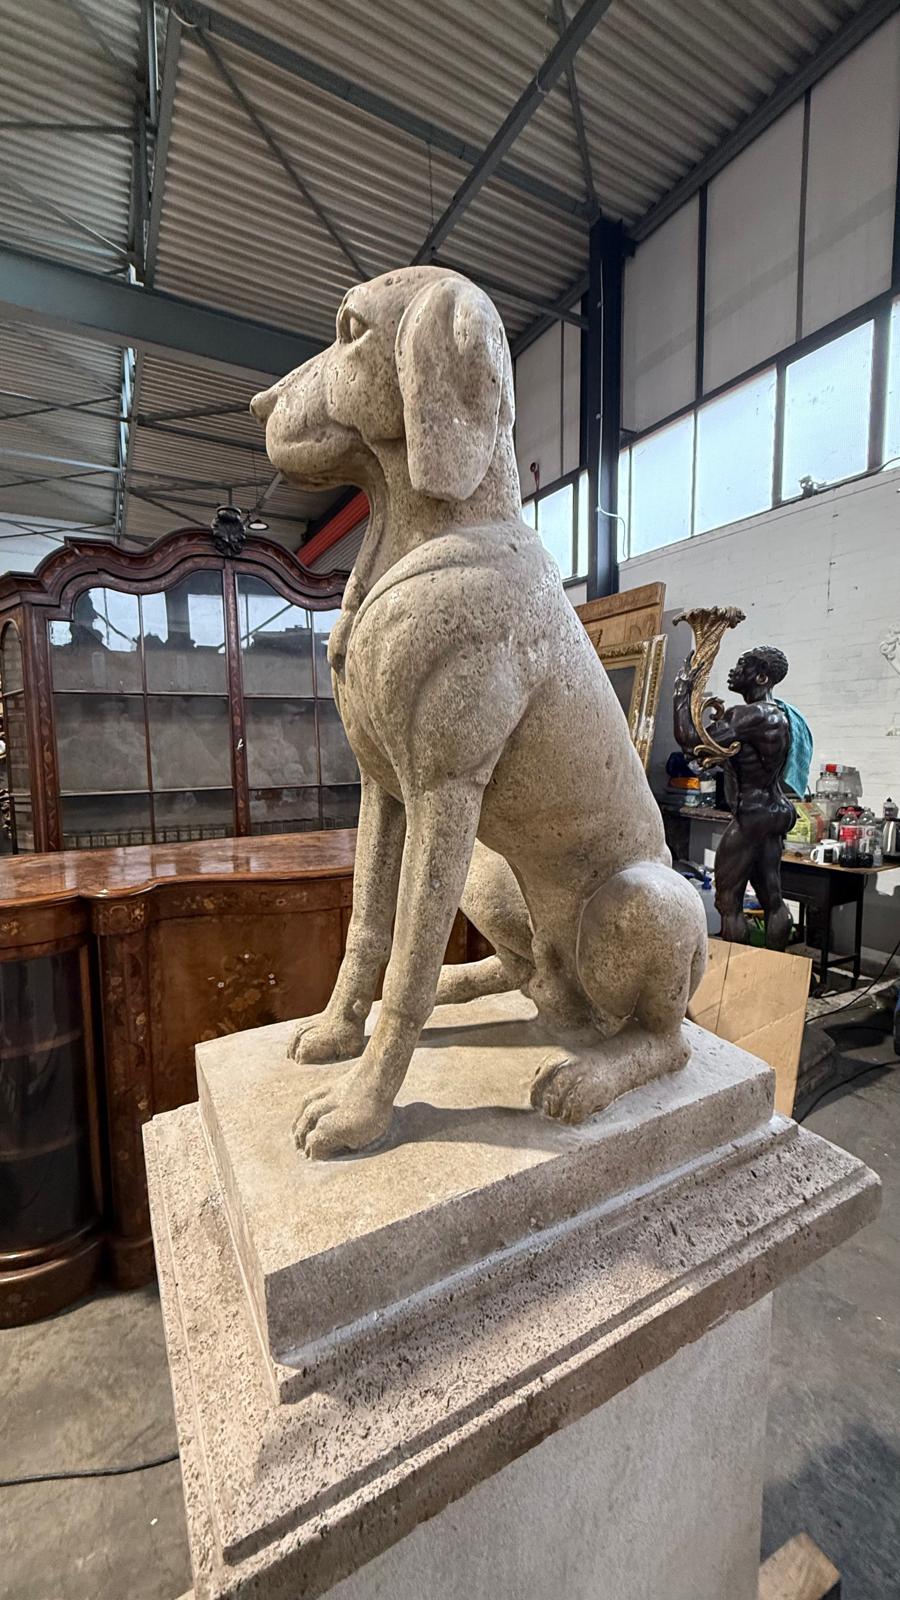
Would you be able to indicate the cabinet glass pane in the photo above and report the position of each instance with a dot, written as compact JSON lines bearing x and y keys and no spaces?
{"x":22,"y":822}
{"x":276,"y":644}
{"x":18,"y":778}
{"x":193,"y":814}
{"x":100,"y":647}
{"x":338,"y":760}
{"x":340,"y":806}
{"x":100,"y":741}
{"x":11,"y":680}
{"x":281,"y":743}
{"x":184,"y":636}
{"x":101,"y":821}
{"x":189,"y":741}
{"x":46,"y":1186}
{"x":283,"y":810}
{"x":323,"y":622}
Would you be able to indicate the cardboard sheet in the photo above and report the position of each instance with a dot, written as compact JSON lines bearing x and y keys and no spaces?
{"x":757,"y":998}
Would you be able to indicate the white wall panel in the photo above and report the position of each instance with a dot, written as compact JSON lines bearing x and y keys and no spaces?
{"x":659,"y":336}
{"x":752,"y":248}
{"x":548,"y":406}
{"x":571,"y":400}
{"x":855,"y":113}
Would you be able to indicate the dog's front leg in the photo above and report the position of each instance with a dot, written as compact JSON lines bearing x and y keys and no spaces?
{"x":440,"y":833}
{"x":340,"y":1031}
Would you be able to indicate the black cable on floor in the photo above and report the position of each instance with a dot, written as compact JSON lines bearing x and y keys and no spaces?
{"x":855,"y":999}
{"x":88,"y":1472}
{"x":871,"y":1066}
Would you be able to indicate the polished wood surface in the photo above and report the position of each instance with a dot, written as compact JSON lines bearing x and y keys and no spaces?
{"x":135,"y":869}
{"x":183,"y":942}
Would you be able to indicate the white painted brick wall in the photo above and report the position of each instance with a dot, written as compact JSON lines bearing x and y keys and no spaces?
{"x":821,"y":580}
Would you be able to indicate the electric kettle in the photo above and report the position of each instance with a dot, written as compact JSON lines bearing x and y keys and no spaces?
{"x":890,"y":837}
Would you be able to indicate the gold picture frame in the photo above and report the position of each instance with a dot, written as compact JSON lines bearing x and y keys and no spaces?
{"x":638,"y":694}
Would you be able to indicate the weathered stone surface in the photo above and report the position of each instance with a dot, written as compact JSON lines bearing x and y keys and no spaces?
{"x":285,"y":1499}
{"x":469,"y":1172}
{"x":496,"y":762}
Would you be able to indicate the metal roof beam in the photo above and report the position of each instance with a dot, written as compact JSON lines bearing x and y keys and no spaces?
{"x":541,"y":324}
{"x":511,"y":291}
{"x":533,"y":95}
{"x":18,"y":125}
{"x":559,"y":17}
{"x":870,"y":16}
{"x":373,"y":104}
{"x":287,"y":167}
{"x":52,"y":295}
{"x":166,"y":103}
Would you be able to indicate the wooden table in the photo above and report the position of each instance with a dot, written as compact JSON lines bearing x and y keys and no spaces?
{"x":113,"y":965}
{"x":821,"y":886}
{"x":816,"y":886}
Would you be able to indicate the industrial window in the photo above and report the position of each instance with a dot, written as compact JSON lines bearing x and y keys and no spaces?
{"x":735,"y":453}
{"x":661,"y":487}
{"x":623,"y":494}
{"x":827,"y":397}
{"x":555,"y":524}
{"x":892,"y":413}
{"x":560,"y":516}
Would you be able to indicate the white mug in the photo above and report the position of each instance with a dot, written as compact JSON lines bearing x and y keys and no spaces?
{"x":828,"y":852}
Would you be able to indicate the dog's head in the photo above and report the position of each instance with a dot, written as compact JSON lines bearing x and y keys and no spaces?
{"x":420,"y":356}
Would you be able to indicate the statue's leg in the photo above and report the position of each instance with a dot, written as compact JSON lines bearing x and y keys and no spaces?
{"x":734,"y":859}
{"x":356,"y":1106}
{"x":493,"y":902}
{"x":339,"y":1032}
{"x":765,"y":877}
{"x":641,"y":953}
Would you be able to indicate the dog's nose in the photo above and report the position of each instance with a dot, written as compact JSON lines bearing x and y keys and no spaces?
{"x":263,"y":404}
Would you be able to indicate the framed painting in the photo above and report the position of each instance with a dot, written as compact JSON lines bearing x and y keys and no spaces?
{"x":635,"y":671}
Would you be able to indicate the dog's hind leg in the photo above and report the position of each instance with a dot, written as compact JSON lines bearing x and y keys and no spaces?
{"x":641,"y":954}
{"x":494,"y":904}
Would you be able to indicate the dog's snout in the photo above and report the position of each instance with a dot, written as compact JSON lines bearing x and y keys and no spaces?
{"x":263,"y":404}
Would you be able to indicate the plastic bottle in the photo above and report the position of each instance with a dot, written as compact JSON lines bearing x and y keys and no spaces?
{"x":891,"y":810}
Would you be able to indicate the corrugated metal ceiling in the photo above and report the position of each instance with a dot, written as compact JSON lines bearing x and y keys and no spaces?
{"x":195,"y":441}
{"x":660,"y":86}
{"x":66,"y":194}
{"x":46,"y":454}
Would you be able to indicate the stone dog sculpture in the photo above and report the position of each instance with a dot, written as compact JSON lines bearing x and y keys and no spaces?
{"x":497,"y":769}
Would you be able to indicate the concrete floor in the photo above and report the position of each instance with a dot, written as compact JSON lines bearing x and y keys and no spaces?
{"x":91,"y":1387}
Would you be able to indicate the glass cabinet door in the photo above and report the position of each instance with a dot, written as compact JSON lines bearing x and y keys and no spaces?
{"x":143,"y":723}
{"x":297,"y":751}
{"x":19,"y":819}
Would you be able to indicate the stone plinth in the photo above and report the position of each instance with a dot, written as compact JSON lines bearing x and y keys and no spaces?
{"x":356,"y":1345}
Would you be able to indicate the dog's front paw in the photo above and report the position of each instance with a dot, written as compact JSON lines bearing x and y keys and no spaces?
{"x":317,"y":1040}
{"x":345,"y":1117}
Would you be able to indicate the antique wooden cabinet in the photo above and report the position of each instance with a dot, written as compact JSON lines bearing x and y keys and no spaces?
{"x":113,"y":964}
{"x":171,"y":696}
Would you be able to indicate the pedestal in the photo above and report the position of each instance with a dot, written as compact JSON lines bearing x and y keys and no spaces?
{"x":496,"y":1356}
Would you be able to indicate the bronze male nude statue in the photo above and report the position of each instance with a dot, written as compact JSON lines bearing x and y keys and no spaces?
{"x":755,"y":740}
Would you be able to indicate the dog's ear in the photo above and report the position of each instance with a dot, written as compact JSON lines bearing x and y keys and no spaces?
{"x":454,"y":369}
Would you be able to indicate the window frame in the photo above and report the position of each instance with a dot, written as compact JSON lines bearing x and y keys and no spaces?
{"x":544,"y":493}
{"x":877,"y":311}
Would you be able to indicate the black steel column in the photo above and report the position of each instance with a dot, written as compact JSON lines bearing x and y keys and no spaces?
{"x":603,"y":402}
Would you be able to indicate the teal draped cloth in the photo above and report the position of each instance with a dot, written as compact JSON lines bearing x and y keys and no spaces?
{"x":795,"y":773}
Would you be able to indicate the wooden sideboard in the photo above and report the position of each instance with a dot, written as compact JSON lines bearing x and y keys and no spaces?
{"x":113,"y":965}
